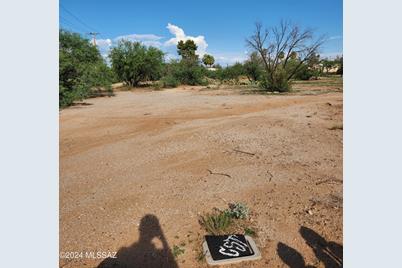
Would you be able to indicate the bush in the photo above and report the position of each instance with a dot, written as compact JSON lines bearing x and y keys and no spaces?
{"x":238,"y":210}
{"x":133,"y":62}
{"x":212,"y":74}
{"x":81,"y":69}
{"x":169,"y":81}
{"x":216,"y":223}
{"x":276,"y":82}
{"x":230,"y":73}
{"x":187,"y":72}
{"x":253,"y":67}
{"x":304,"y":73}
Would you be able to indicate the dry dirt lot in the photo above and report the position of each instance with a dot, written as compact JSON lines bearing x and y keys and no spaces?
{"x":137,"y":170}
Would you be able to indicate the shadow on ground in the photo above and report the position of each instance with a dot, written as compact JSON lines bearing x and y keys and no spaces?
{"x":151,"y":250}
{"x":327,"y":252}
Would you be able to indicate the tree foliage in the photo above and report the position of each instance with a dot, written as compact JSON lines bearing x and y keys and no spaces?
{"x":81,"y":68}
{"x":208,"y":60}
{"x":253,"y":67}
{"x":188,"y":70}
{"x":187,"y":50}
{"x":133,"y":62}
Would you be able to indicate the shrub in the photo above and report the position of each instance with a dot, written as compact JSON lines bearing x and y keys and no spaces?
{"x":169,"y":81}
{"x":212,"y":74}
{"x":230,"y":73}
{"x":276,"y":82}
{"x":216,"y":223}
{"x":187,"y":72}
{"x":252,"y":67}
{"x":238,"y":210}
{"x":133,"y":62}
{"x":304,"y":73}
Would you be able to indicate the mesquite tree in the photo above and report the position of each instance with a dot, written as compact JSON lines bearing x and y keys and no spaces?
{"x":283,"y":50}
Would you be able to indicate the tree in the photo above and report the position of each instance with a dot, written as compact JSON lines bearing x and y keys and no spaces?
{"x":81,"y":68}
{"x":252,"y":67}
{"x":188,"y":70}
{"x":208,"y":60}
{"x":187,"y":50}
{"x":277,"y":47}
{"x":134,"y":62}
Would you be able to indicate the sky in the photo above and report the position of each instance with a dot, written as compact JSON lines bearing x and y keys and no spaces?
{"x":218,"y":27}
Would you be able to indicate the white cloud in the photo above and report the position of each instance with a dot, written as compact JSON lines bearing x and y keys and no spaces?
{"x":104,"y":42}
{"x":181,"y":36}
{"x":168,"y":46}
{"x":104,"y":46}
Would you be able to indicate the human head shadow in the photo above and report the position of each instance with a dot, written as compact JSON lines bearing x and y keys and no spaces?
{"x":328,"y":252}
{"x":151,"y":250}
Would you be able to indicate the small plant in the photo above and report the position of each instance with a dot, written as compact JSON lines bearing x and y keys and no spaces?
{"x":177,"y":251}
{"x":249,"y":231}
{"x":239,"y":210}
{"x":216,"y":223}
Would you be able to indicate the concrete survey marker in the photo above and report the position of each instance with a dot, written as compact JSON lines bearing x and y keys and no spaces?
{"x":226,"y":249}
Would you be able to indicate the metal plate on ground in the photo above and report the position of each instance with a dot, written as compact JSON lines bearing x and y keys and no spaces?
{"x":226,"y":249}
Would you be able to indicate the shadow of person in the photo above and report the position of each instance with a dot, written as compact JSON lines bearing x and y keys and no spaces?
{"x":330,"y":253}
{"x":291,"y":257}
{"x":150,"y":251}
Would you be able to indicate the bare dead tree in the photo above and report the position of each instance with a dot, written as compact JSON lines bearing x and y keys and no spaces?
{"x":278,"y":45}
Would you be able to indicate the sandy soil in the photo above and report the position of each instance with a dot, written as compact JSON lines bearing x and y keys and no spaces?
{"x":134,"y":175}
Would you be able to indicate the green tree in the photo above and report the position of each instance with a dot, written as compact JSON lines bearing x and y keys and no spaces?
{"x":253,"y":67}
{"x":188,"y":70}
{"x":81,"y":68}
{"x":208,"y":60}
{"x":187,"y":50}
{"x":133,"y":62}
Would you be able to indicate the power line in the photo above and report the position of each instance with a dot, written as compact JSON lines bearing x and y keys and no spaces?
{"x":72,"y":25}
{"x":92,"y":31}
{"x":78,"y":19}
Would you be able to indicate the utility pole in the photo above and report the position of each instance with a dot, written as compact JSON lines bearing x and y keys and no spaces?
{"x":93,"y":37}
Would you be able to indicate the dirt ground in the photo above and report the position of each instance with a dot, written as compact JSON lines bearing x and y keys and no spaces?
{"x":137,"y":170}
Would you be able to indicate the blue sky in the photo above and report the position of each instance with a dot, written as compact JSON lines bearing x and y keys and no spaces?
{"x":218,"y":27}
